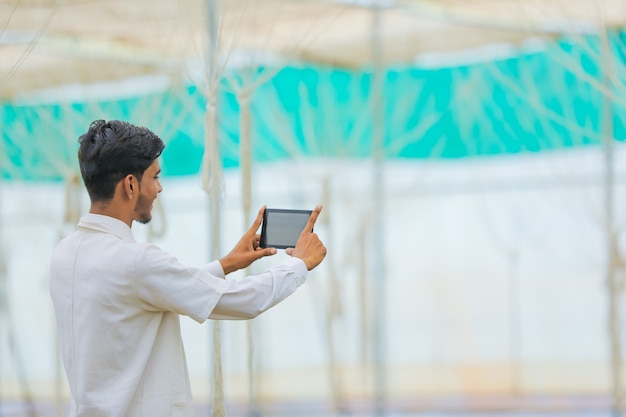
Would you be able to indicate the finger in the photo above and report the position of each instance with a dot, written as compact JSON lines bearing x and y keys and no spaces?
{"x":289,"y":251}
{"x":256,"y":241}
{"x":260,"y":253}
{"x":312,"y":219}
{"x":257,"y":221}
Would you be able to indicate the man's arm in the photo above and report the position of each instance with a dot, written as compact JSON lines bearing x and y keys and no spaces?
{"x":247,"y":297}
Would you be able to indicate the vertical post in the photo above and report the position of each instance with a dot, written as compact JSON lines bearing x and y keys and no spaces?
{"x":211,"y":136}
{"x":2,"y":263}
{"x":378,"y":136}
{"x":245,"y":155}
{"x":245,"y":165}
{"x":611,"y":241}
{"x":3,"y":266}
{"x":515,"y":326}
{"x":333,"y":306}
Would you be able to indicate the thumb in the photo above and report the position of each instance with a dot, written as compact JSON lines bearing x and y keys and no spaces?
{"x":260,"y":253}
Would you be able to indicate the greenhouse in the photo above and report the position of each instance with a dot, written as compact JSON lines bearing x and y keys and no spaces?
{"x":469,"y":157}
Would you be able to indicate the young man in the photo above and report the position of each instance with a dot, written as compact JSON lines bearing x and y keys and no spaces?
{"x":117,"y":301}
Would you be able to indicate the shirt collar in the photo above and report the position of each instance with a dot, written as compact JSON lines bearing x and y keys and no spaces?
{"x":106,"y":224}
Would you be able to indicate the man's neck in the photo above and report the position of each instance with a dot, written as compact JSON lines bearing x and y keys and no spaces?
{"x":108,"y":208}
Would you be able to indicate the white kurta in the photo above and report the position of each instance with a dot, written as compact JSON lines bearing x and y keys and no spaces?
{"x":117,"y":304}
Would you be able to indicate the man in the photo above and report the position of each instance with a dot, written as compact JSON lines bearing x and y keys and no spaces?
{"x":117,"y":301}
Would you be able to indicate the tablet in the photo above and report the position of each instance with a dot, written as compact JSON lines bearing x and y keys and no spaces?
{"x":282,"y":227}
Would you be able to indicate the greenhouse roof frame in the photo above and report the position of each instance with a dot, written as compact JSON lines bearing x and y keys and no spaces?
{"x":52,"y":43}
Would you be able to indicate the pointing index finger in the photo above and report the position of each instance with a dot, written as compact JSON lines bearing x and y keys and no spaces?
{"x":312,"y":219}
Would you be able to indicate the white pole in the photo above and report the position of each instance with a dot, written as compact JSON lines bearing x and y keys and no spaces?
{"x":2,"y":279}
{"x":212,"y":161}
{"x":611,"y":240}
{"x":378,"y":136}
{"x":245,"y":165}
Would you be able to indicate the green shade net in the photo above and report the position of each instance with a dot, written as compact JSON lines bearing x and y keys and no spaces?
{"x":531,"y":102}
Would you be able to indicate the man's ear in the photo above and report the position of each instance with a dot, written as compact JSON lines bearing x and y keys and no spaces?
{"x":128,"y":185}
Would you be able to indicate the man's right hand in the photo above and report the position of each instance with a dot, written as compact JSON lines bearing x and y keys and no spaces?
{"x":247,"y":249}
{"x":309,"y":247}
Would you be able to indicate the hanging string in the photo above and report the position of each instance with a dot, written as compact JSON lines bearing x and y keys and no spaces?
{"x":158,"y":224}
{"x":73,"y":208}
{"x":4,"y":80}
{"x":211,"y":172}
{"x":218,"y":376}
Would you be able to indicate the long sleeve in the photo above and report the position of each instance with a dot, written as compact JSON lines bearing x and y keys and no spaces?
{"x":247,"y":297}
{"x":215,"y":268}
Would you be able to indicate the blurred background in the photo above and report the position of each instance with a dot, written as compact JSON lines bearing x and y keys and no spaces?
{"x":469,"y":155}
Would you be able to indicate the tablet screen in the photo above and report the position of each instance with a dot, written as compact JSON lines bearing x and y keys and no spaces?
{"x":281,"y":228}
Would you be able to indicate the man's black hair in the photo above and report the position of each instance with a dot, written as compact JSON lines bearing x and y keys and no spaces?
{"x":111,"y":150}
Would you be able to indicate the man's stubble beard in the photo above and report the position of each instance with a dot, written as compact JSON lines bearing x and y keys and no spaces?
{"x":143,"y":208}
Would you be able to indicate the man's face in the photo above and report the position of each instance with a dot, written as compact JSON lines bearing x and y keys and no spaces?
{"x":149,"y":188}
